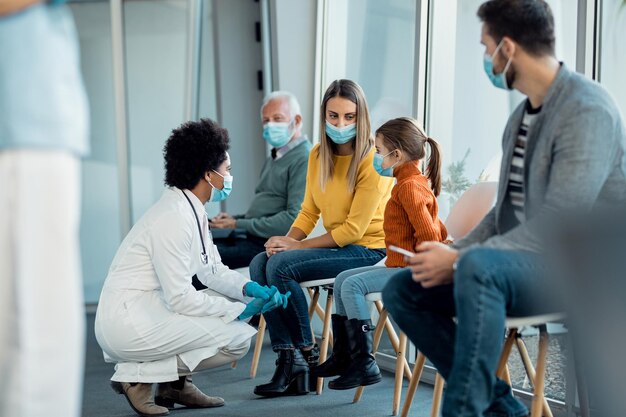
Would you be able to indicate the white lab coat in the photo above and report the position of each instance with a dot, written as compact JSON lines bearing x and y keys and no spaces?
{"x":150,"y":316}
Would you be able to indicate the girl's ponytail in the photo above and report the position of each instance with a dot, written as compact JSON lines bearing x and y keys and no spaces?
{"x":433,"y":171}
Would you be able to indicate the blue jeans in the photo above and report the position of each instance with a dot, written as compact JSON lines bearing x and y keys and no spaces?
{"x":353,"y":285}
{"x":489,"y":284}
{"x":291,"y":328}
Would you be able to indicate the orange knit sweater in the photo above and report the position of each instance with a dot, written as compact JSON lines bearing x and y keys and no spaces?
{"x":411,"y":213}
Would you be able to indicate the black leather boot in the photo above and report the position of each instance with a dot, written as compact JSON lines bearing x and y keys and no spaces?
{"x":291,"y":376}
{"x":363,"y":369}
{"x":339,"y":360}
{"x":312,"y":358}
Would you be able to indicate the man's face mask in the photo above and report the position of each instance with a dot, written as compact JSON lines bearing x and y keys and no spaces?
{"x":277,"y":134}
{"x":498,"y":80}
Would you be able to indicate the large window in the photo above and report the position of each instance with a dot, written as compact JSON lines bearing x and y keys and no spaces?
{"x":373,"y":43}
{"x":465,"y":113}
{"x":612,"y":52}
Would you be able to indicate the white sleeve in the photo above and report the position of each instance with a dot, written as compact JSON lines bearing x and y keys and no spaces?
{"x":171,"y":240}
{"x":225,"y":281}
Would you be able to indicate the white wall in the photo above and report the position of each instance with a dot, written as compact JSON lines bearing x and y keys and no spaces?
{"x":293,"y":53}
{"x":238,"y":58}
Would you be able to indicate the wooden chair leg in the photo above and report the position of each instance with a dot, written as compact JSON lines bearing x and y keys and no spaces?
{"x":393,"y":338}
{"x":233,"y":364}
{"x":325,"y":337}
{"x":437,"y":395}
{"x":258,"y":344}
{"x":378,"y":333}
{"x":400,"y":361}
{"x":539,"y":402}
{"x":415,"y":379}
{"x":507,"y":376}
{"x":530,"y":370}
{"x":314,"y":293}
{"x":502,"y":369}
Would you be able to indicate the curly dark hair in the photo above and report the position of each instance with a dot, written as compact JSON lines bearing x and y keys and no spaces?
{"x":193,"y":149}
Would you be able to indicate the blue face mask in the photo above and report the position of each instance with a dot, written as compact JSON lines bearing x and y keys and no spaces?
{"x":498,"y":80}
{"x":378,"y":165}
{"x":276,"y":134}
{"x":341,"y":135}
{"x":219,"y":195}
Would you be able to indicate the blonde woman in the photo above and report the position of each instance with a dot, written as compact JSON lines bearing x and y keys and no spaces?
{"x":344,"y":189}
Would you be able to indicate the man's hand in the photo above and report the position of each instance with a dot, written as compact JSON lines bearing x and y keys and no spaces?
{"x":277,"y":244}
{"x":223,"y":221}
{"x":432,"y":264}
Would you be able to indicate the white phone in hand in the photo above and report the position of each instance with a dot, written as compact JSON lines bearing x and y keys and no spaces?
{"x":401,"y":251}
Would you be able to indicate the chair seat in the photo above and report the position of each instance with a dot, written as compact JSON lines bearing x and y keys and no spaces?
{"x":317,"y":283}
{"x":374,"y":296}
{"x":517,"y":322}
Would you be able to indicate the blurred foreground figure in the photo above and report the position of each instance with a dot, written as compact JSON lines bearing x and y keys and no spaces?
{"x":592,"y":265}
{"x":43,"y":133}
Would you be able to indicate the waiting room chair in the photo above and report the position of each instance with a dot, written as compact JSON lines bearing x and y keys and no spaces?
{"x":313,"y":287}
{"x":536,"y":375}
{"x":399,"y":346}
{"x":470,"y":208}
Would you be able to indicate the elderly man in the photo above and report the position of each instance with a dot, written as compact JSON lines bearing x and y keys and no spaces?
{"x":563,"y":148}
{"x":280,"y":190}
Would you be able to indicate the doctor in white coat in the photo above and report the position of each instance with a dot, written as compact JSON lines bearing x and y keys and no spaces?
{"x":151,"y":321}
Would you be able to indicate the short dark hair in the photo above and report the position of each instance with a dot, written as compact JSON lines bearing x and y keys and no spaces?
{"x":193,"y":149}
{"x":528,"y":22}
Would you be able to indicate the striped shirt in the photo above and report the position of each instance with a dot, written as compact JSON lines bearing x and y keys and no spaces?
{"x":516,"y":172}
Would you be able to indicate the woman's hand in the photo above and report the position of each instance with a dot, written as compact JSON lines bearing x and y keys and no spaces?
{"x":278,"y":244}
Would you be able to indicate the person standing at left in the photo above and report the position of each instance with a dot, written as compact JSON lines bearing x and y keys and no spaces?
{"x":43,"y":134}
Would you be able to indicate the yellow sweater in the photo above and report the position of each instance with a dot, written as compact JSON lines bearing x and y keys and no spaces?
{"x":351,"y":218}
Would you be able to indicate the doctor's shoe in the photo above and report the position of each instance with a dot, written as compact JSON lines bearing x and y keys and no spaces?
{"x":184,"y":392}
{"x":139,"y":397}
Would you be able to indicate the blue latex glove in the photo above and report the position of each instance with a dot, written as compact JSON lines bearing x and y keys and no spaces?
{"x":253,"y":307}
{"x":253,"y":289}
{"x":276,"y":300}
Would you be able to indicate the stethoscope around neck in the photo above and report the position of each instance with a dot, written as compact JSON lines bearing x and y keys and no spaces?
{"x":203,"y":255}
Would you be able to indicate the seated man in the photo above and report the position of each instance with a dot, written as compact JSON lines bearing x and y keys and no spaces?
{"x":563,"y":148}
{"x":280,"y":190}
{"x":151,"y":322}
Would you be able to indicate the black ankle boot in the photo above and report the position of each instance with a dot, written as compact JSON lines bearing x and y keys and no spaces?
{"x":291,"y":376}
{"x":363,"y":369}
{"x":312,"y":358}
{"x":339,"y":360}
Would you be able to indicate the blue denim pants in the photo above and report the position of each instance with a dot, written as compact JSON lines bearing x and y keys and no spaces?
{"x":291,"y":328}
{"x":489,"y":284}
{"x":353,"y":285}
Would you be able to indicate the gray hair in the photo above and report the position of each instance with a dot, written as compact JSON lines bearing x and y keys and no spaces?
{"x":294,"y":106}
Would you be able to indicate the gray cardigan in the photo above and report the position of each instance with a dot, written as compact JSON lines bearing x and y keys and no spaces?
{"x":575,"y":159}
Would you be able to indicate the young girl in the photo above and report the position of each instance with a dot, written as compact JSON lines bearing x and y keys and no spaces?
{"x":343,"y":187}
{"x":410,"y":218}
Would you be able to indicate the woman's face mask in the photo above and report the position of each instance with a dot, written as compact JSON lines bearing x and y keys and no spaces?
{"x":340,"y":135}
{"x":219,"y":195}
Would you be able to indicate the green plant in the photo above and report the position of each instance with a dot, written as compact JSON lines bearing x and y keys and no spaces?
{"x":456,"y":182}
